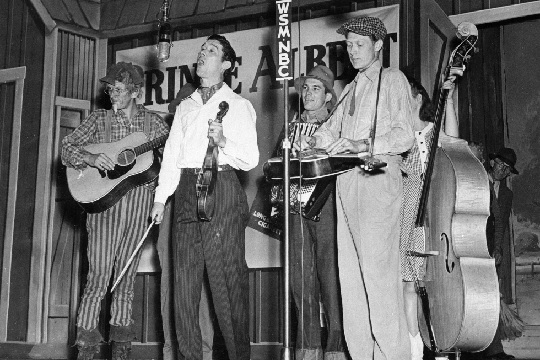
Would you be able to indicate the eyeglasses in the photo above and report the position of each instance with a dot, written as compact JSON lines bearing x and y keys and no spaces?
{"x":502,"y":165}
{"x":115,"y":91}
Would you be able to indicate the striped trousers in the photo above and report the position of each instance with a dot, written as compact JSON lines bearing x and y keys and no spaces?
{"x":218,"y":245}
{"x":112,"y":237}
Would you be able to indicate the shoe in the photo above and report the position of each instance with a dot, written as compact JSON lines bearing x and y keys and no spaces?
{"x":87,"y":352}
{"x":121,"y":350}
{"x":335,"y":355}
{"x":87,"y":343}
{"x":501,"y":356}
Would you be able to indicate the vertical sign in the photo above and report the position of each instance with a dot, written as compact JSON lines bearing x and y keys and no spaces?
{"x":284,"y":71}
{"x":284,"y":68}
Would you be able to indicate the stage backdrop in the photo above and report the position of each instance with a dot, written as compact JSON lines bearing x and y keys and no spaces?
{"x":254,"y":79}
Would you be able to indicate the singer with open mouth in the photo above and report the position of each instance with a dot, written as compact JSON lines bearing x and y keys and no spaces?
{"x":213,"y":134}
{"x":113,"y":234}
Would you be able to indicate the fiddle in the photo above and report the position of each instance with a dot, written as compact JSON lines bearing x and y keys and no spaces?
{"x":207,"y":176}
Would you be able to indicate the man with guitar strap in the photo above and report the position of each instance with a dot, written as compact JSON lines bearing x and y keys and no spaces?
{"x":368,"y":202}
{"x":112,"y":234}
{"x":313,"y":251}
{"x":214,"y":243}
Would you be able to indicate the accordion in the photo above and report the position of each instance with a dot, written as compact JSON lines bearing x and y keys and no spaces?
{"x":302,"y":192}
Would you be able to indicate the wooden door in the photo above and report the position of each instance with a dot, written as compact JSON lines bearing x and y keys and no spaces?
{"x":11,"y":100}
{"x":66,"y":228}
{"x":436,"y":34}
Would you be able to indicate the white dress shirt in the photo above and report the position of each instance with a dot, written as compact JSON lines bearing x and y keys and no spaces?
{"x":188,"y":139}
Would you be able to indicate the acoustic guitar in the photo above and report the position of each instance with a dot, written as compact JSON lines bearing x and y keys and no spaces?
{"x":207,"y":177}
{"x":97,"y":190}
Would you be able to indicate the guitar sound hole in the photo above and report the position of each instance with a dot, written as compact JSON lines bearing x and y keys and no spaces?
{"x":126,"y":157}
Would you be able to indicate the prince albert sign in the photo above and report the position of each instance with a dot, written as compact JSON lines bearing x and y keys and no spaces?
{"x":259,"y":76}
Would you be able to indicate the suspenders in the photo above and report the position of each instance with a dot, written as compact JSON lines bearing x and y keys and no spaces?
{"x":108,"y":125}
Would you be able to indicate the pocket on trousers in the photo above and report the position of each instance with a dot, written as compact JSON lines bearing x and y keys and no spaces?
{"x":185,"y":205}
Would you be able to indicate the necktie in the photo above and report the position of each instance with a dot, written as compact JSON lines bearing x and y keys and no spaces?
{"x":352,"y":107}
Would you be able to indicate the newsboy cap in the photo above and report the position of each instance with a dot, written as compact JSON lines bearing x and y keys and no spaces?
{"x":324,"y":75}
{"x":114,"y":71}
{"x":364,"y":25}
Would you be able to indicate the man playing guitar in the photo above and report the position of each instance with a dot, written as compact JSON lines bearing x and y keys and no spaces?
{"x":112,"y":234}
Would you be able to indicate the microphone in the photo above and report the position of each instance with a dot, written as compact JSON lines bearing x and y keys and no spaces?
{"x":165,"y":31}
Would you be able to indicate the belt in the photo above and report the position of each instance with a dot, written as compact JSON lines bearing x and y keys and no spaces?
{"x":196,"y":171}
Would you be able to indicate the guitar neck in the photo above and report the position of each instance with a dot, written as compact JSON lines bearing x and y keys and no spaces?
{"x":157,"y":142}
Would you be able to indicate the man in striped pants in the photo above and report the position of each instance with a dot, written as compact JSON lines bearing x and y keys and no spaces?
{"x":215,"y":245}
{"x":113,"y":234}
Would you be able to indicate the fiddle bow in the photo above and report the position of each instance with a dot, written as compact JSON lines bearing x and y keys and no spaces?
{"x":208,"y":174}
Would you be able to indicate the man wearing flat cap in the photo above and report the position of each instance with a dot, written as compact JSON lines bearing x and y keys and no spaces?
{"x":313,"y":251}
{"x":502,"y":165}
{"x":113,"y":234}
{"x":368,"y":203}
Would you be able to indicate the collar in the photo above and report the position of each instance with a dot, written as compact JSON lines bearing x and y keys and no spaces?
{"x":214,"y":88}
{"x":372,"y":72}
{"x":317,"y":117}
{"x":491,"y":180}
{"x":121,"y":113}
{"x":425,"y":130}
{"x":207,"y":92}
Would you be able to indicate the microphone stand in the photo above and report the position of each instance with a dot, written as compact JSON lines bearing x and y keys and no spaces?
{"x":284,"y":72}
{"x":286,"y":351}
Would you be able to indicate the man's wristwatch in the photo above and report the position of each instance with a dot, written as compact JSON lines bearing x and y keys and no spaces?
{"x":312,"y":141}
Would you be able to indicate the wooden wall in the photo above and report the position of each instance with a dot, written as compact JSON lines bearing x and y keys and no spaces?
{"x":75,"y":66}
{"x":22,"y":44}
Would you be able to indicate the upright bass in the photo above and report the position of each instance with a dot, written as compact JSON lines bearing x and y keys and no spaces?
{"x":459,"y":307}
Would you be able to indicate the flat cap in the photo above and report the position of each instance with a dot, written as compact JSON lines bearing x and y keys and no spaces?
{"x":364,"y":25}
{"x":114,"y":73}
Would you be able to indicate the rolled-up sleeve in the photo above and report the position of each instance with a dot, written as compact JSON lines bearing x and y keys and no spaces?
{"x":72,"y":145}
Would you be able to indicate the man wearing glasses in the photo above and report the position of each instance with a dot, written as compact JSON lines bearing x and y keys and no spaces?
{"x":113,"y":234}
{"x":502,"y":164}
